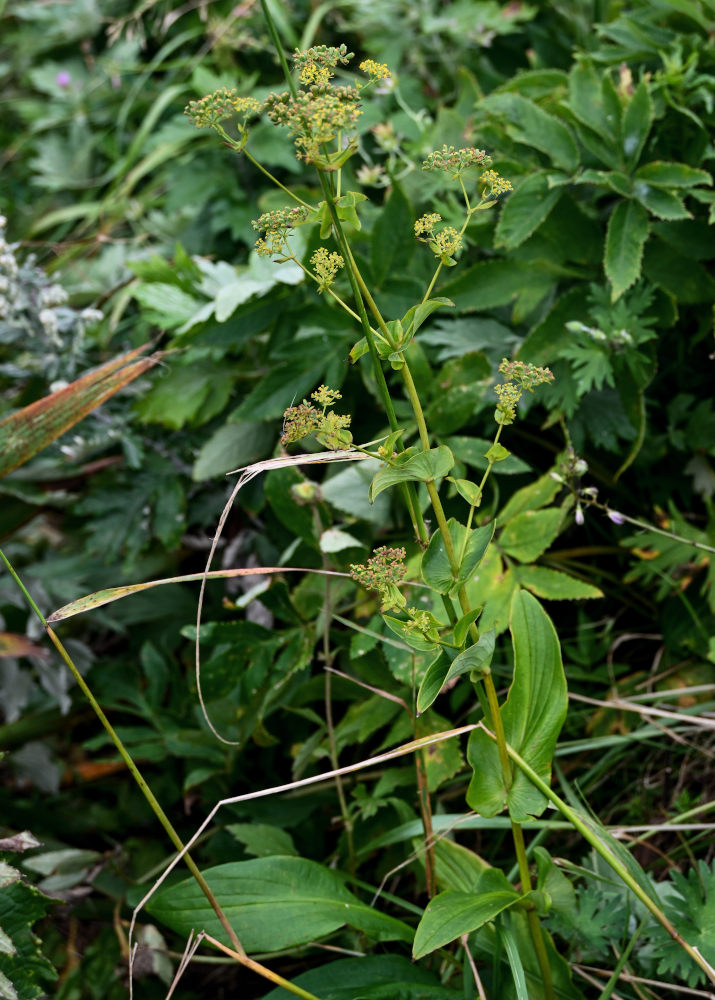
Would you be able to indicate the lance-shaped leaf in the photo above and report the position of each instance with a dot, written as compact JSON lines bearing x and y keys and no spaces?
{"x":273,"y":903}
{"x":532,"y":716}
{"x":420,"y":466}
{"x":29,"y":430}
{"x":628,"y":229}
{"x":436,"y":567}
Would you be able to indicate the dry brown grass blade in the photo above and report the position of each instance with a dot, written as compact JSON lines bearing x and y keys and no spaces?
{"x":29,"y":430}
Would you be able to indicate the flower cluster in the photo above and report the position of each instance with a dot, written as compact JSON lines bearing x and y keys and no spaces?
{"x":493,"y":184}
{"x":426,"y":223}
{"x":316,"y":65}
{"x":331,"y":428}
{"x":456,"y":161}
{"x":526,"y":375}
{"x":375,"y":70}
{"x":446,"y":243}
{"x":315,"y":116}
{"x":326,"y":265}
{"x":383,"y":571}
{"x":276,"y":226}
{"x":520,"y":376}
{"x":223,"y":103}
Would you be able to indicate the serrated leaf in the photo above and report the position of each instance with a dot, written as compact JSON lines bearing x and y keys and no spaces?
{"x":273,"y":903}
{"x":586,"y":100}
{"x":628,"y":229}
{"x":530,"y":533}
{"x":532,"y":717}
{"x":661,"y":203}
{"x":637,"y":121}
{"x":531,"y":125}
{"x":436,"y":568}
{"x":423,"y":467}
{"x":668,"y":175}
{"x":553,"y":585}
{"x":524,"y":211}
{"x":531,"y":497}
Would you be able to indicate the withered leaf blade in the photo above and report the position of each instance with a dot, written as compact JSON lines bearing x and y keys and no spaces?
{"x":29,"y":430}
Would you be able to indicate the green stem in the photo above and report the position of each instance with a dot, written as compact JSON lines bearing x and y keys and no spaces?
{"x":275,"y":181}
{"x":612,"y":859}
{"x":272,"y":31}
{"x":126,"y":757}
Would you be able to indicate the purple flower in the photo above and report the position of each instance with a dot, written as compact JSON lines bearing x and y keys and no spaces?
{"x":578,"y":515}
{"x":616,"y":517}
{"x":63,"y":79}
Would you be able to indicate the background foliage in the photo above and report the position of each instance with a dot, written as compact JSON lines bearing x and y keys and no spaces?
{"x":599,"y":265}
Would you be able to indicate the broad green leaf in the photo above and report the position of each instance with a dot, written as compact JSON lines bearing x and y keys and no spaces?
{"x":347,"y":491}
{"x":262,"y":839}
{"x":383,"y":977}
{"x":29,"y":430}
{"x":553,"y":585}
{"x":451,"y":914}
{"x":661,"y":203}
{"x":637,"y":121}
{"x":531,"y":125}
{"x":345,"y":207}
{"x":436,"y":568}
{"x":530,"y":533}
{"x":525,"y":210}
{"x":685,"y":279}
{"x":187,"y":393}
{"x":335,"y":540}
{"x":670,"y":175}
{"x":277,"y":390}
{"x":531,"y":497}
{"x":615,"y":180}
{"x":231,"y":447}
{"x":421,"y":466}
{"x":543,"y":342}
{"x":532,"y":717}
{"x":493,"y":283}
{"x":493,"y":588}
{"x":442,"y":760}
{"x":273,"y":903}
{"x":587,"y":101}
{"x":392,"y":241}
{"x":627,"y":232}
{"x":456,"y":866}
{"x":473,"y":451}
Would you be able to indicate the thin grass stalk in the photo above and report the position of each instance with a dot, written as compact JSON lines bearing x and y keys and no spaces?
{"x":127,"y":758}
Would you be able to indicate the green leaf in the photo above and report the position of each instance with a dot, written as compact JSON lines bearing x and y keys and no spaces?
{"x":637,"y":121}
{"x":436,"y":569}
{"x":25,"y":973}
{"x":192,"y":392}
{"x":524,"y":210}
{"x":462,"y":627}
{"x":627,"y":232}
{"x":553,"y":585}
{"x":262,"y":839}
{"x":669,"y":175}
{"x":497,"y":453}
{"x":531,"y":497}
{"x":347,"y":491}
{"x":532,"y":126}
{"x":345,"y":207}
{"x":474,"y":659}
{"x":418,"y":314}
{"x":661,"y":203}
{"x":468,"y":490}
{"x":273,"y":903}
{"x":231,"y":447}
{"x":472,"y":451}
{"x":494,"y":283}
{"x":382,"y":977}
{"x":532,"y":717}
{"x":530,"y":533}
{"x":421,"y":466}
{"x":413,"y":638}
{"x":451,"y":914}
{"x":392,"y":241}
{"x":166,"y":305}
{"x":587,"y":101}
{"x":432,"y":682}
